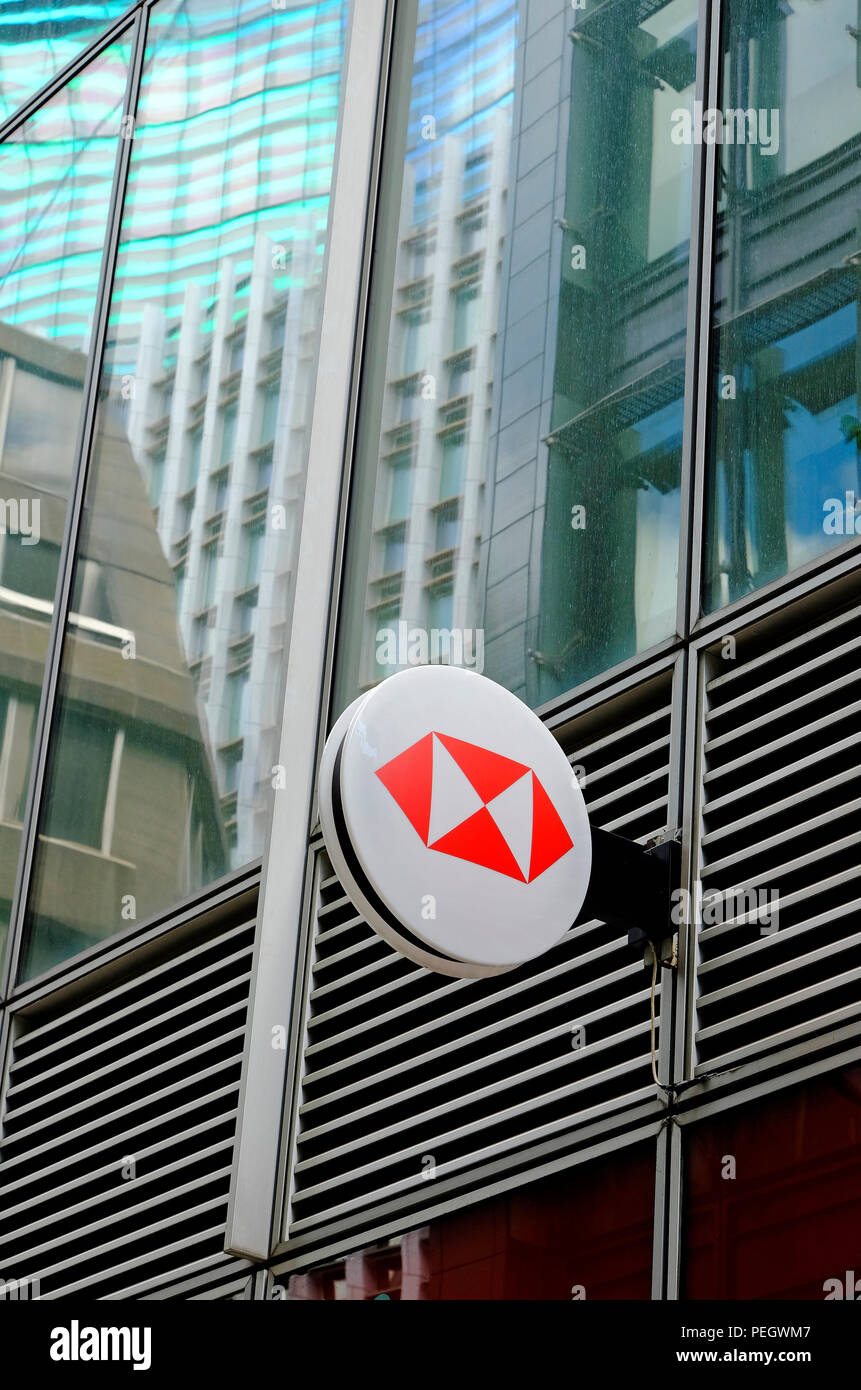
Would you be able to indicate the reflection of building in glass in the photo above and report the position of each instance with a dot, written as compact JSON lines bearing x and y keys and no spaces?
{"x":203,"y":181}
{"x":211,"y":348}
{"x":537,"y":342}
{"x":217,"y":418}
{"x":37,"y":41}
{"x":107,"y":829}
{"x":430,"y":516}
{"x":56,"y":173}
{"x":785,"y":350}
{"x":581,"y":564}
{"x":431,"y":497}
{"x":389,"y":1133}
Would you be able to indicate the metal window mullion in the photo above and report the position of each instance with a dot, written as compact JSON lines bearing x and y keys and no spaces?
{"x":667,"y":1262}
{"x":666,"y":1250}
{"x":668,"y":1002}
{"x":659,"y":1213}
{"x":673,"y":1215}
{"x":74,"y":513}
{"x":711,"y":12}
{"x":673,"y":1012}
{"x":698,"y":320}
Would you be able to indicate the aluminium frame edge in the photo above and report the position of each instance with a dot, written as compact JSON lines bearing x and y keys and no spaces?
{"x":696,"y":344}
{"x":265,"y":1070}
{"x":713,"y":10}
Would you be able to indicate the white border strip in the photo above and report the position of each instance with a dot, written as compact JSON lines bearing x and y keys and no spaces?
{"x":256,"y":1160}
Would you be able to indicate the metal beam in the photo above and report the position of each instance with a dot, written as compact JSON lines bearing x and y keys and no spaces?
{"x":253,"y":1196}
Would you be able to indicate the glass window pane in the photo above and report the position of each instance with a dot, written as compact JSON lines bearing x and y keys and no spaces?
{"x":451,"y":471}
{"x":785,"y":441}
{"x":586,"y":1234}
{"x":773,"y":1194}
{"x":223,"y":230}
{"x":536,"y":284}
{"x":56,"y":175}
{"x":38,"y":39}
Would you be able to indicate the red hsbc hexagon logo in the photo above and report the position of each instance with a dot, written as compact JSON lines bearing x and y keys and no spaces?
{"x":454,"y":821}
{"x":515,"y":830}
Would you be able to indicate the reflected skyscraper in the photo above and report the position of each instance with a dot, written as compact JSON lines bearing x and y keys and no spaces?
{"x":205,"y":392}
{"x":536,"y":346}
{"x":108,"y":832}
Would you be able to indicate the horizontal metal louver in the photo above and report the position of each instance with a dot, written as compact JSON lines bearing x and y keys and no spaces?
{"x":118,"y":1127}
{"x":408,"y":1076}
{"x":779,"y":959}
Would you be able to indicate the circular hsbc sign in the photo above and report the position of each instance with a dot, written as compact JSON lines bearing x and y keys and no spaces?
{"x":453,"y":819}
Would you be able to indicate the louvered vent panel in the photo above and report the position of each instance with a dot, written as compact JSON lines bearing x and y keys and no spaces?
{"x":781,"y":813}
{"x":403,"y":1066}
{"x":146,"y":1071}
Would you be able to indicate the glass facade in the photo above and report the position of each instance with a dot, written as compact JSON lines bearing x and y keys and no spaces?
{"x":773,"y":1208}
{"x":56,"y":173}
{"x":520,"y":477}
{"x":562,"y":326}
{"x":37,"y":40}
{"x":164,"y":736}
{"x":585,"y":1235}
{"x":534,"y":384}
{"x":534,"y":316}
{"x":785,"y":436}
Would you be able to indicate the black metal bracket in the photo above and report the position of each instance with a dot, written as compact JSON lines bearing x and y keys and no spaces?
{"x":632,"y":886}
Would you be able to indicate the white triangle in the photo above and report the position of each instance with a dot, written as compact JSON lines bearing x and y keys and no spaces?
{"x":512,"y":811}
{"x":453,"y":799}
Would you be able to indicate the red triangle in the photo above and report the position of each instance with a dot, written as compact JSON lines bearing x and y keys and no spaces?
{"x":409,"y":778}
{"x":550,"y":839}
{"x":480,"y":841}
{"x":488,"y":772}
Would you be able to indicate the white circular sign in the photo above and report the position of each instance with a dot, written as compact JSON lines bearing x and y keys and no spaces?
{"x":454,"y":821}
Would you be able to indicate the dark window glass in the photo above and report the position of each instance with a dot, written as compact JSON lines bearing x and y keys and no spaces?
{"x":785,"y":444}
{"x":451,"y":473}
{"x":394,"y":553}
{"x":533,"y":279}
{"x":269,"y":413}
{"x":401,"y":486}
{"x":28,"y":569}
{"x":223,"y":231}
{"x":447,"y":527}
{"x":773,"y":1205}
{"x":586,"y":1234}
{"x":255,"y":537}
{"x":56,"y":175}
{"x":228,"y":431}
{"x":81,"y":780}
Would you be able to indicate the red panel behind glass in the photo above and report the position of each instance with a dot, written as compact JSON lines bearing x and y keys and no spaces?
{"x":791,"y":1217}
